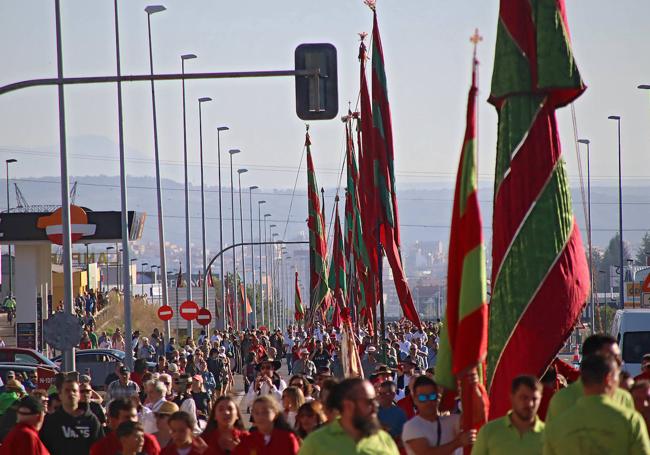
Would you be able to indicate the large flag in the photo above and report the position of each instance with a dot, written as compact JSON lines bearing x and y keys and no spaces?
{"x":540,"y":278}
{"x":199,"y":280}
{"x":337,"y":277}
{"x":463,"y":342}
{"x":299,"y":310}
{"x":244,"y":298}
{"x":208,"y":278}
{"x":317,"y":242}
{"x":384,"y":175}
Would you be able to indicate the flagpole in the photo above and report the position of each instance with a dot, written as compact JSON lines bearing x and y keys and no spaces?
{"x":380,"y":264}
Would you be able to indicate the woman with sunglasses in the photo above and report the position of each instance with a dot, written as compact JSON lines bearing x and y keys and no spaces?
{"x":429,"y":430}
{"x":225,"y":429}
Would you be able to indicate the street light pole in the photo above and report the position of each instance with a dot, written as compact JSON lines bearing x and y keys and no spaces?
{"x":188,"y":245}
{"x":620,"y":213}
{"x":220,"y":129}
{"x":204,"y":289}
{"x":11,"y":288}
{"x":142,"y":278}
{"x":250,"y":206}
{"x":591,"y":264}
{"x":234,"y":252}
{"x":274,"y":273}
{"x":266,"y":269}
{"x":161,"y":228}
{"x":259,"y":236}
{"x":243,"y":253}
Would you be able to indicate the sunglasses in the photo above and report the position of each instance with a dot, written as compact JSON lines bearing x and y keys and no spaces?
{"x":422,"y":398}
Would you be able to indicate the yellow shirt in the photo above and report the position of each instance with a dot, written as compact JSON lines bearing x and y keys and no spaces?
{"x":501,"y":437}
{"x":567,"y":397}
{"x":597,"y":425}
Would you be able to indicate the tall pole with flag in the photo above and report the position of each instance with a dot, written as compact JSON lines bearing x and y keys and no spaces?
{"x":317,"y":242}
{"x":299,"y":309}
{"x":384,"y":175}
{"x":540,"y":277}
{"x":463,"y":341}
{"x":337,"y":278}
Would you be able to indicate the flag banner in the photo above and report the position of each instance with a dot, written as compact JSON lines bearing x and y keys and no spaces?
{"x":350,"y":359}
{"x":244,"y":298}
{"x":463,"y":341}
{"x":208,"y":278}
{"x":317,"y":236}
{"x":199,"y":280}
{"x":180,"y":280}
{"x":540,"y":278}
{"x":337,"y":275}
{"x":299,"y":309}
{"x":384,"y":175}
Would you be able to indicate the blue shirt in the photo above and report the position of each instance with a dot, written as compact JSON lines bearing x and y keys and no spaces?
{"x":393,"y":419}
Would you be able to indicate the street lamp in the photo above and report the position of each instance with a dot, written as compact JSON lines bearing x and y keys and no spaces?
{"x":204,"y":289}
{"x":591,"y":264}
{"x":221,"y":129}
{"x":617,"y":118}
{"x":188,"y":245}
{"x":250,"y":206}
{"x":153,"y":9}
{"x":274,"y":272}
{"x":232,"y":152}
{"x":11,"y":288}
{"x":266,"y":268}
{"x":259,"y":236}
{"x":243,"y":255}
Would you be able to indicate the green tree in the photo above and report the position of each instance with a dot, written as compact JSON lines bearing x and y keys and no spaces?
{"x":644,"y":248}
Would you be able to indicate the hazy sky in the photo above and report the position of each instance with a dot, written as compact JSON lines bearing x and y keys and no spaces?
{"x":427,"y":62}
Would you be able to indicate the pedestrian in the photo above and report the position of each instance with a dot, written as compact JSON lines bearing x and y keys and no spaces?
{"x":310,"y":418}
{"x":391,"y":416}
{"x":163,"y":435}
{"x":183,"y":397}
{"x":124,"y":387}
{"x":267,"y":382}
{"x":272,"y":433}
{"x":70,"y":429}
{"x":131,"y":437}
{"x":595,"y":423}
{"x":122,"y":410}
{"x":357,"y":428}
{"x":23,"y":438}
{"x":292,"y":399}
{"x":520,"y":431}
{"x":428,"y":429}
{"x":304,"y":365}
{"x":564,"y":399}
{"x":641,"y":394}
{"x":225,"y":428}
{"x":183,"y":442}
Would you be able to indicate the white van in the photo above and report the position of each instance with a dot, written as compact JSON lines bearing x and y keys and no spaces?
{"x":632,"y":330}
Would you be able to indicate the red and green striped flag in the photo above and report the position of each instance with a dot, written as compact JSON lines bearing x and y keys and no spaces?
{"x":540,"y":279}
{"x":298,"y":307}
{"x":337,"y":278}
{"x":384,"y":175}
{"x":463,"y":341}
{"x":317,"y":241}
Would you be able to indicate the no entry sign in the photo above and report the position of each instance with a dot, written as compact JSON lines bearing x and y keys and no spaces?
{"x":165,"y":313}
{"x":204,"y":317}
{"x":189,"y":310}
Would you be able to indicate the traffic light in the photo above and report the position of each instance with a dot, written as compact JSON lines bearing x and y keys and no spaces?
{"x":316,"y":95}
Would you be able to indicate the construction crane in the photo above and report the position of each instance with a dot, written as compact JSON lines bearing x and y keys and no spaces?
{"x":22,"y":206}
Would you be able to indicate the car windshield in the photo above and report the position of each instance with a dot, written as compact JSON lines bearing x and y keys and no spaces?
{"x":635,"y":345}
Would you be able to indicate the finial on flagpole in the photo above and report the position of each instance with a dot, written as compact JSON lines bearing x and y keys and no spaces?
{"x":307,"y":127}
{"x":372,"y":4}
{"x":475,"y":39}
{"x":362,"y":36}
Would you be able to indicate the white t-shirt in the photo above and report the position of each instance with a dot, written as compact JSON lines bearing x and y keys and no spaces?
{"x":418,"y":427}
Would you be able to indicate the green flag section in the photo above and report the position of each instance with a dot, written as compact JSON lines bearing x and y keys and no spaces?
{"x":337,"y":274}
{"x":317,"y":242}
{"x":384,"y":176}
{"x":540,"y":277}
{"x":463,"y":341}
{"x":299,"y":309}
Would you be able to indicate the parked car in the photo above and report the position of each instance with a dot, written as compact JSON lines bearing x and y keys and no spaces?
{"x":631,"y":327}
{"x":98,"y":364}
{"x":45,"y":373}
{"x":25,"y":356}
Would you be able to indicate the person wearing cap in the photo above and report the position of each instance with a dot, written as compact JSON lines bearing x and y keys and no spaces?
{"x":321,"y":357}
{"x":304,"y":365}
{"x":124,"y":387}
{"x":23,"y":438}
{"x":267,"y":382}
{"x":369,"y":362}
{"x":122,"y":410}
{"x":163,"y":435}
{"x":201,"y":398}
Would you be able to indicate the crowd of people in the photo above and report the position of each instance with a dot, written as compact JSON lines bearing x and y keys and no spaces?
{"x":189,"y":404}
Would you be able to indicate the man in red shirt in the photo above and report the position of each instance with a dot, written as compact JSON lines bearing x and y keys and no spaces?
{"x":122,"y":410}
{"x":23,"y":438}
{"x":645,"y":369}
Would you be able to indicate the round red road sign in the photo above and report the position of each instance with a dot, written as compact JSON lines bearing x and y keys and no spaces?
{"x":204,"y":317}
{"x":188,"y":310}
{"x":165,"y":313}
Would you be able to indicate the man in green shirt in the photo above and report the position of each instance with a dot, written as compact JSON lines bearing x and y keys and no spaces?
{"x":564,"y":399}
{"x":357,"y":430}
{"x":596,"y":423}
{"x":520,"y":431}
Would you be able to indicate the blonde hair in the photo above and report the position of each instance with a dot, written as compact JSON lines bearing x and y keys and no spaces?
{"x":296,"y":397}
